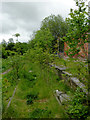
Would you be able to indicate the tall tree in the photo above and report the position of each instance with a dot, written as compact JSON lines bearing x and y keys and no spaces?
{"x":55,"y":24}
{"x":57,"y":27}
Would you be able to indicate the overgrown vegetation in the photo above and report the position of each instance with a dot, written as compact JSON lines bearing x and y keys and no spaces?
{"x":35,"y":81}
{"x":78,"y":107}
{"x":78,"y":29}
{"x":11,"y":48}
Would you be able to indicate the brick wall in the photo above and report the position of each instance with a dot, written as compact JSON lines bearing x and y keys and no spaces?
{"x":82,"y":53}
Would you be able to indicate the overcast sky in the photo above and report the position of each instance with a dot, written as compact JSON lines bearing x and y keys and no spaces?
{"x":25,"y":17}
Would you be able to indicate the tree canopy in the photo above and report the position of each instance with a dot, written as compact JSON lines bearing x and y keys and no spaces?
{"x":55,"y":24}
{"x":16,"y":35}
{"x":52,"y":28}
{"x":43,"y":39}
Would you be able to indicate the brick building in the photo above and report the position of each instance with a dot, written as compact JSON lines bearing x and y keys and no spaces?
{"x":82,"y":53}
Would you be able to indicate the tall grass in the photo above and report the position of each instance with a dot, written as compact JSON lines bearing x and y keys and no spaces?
{"x":36,"y":80}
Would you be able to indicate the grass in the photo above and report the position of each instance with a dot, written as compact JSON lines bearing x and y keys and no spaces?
{"x":44,"y":83}
{"x":77,"y":69}
{"x":35,"y":80}
{"x":6,"y":64}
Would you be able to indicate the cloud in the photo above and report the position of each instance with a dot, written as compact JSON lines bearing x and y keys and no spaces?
{"x":18,"y":15}
{"x":26,"y":17}
{"x":7,"y":23}
{"x":20,"y":10}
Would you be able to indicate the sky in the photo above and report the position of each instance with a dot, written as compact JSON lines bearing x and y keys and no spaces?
{"x":25,"y":16}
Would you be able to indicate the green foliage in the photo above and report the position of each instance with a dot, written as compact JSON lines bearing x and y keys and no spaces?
{"x":5,"y":84}
{"x":78,"y":108}
{"x":44,"y":58}
{"x":4,"y":43}
{"x":6,"y":64}
{"x":43,"y":39}
{"x":32,"y":96}
{"x":55,"y":24}
{"x":29,"y":75}
{"x":4,"y":53}
{"x":16,"y":64}
{"x":76,"y":67}
{"x":40,"y":113}
{"x":45,"y":89}
{"x":40,"y":84}
{"x":41,"y":48}
{"x":78,"y":28}
{"x":16,"y":35}
{"x":29,"y":101}
{"x":20,"y":48}
{"x":58,"y":29}
{"x":11,"y":48}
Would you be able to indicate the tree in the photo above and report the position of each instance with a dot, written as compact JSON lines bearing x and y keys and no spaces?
{"x":10,"y":45}
{"x":4,"y":43}
{"x":16,"y":35}
{"x":20,"y":48}
{"x":57,"y":27}
{"x":55,"y":24}
{"x":11,"y":40}
{"x":43,"y":39}
{"x":78,"y":28}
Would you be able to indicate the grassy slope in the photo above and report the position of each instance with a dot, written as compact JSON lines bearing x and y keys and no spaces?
{"x":45,"y":84}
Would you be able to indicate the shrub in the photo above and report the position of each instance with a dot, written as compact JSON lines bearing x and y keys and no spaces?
{"x":77,"y":108}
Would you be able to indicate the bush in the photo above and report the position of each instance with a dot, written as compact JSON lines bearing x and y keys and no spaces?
{"x":77,"y":107}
